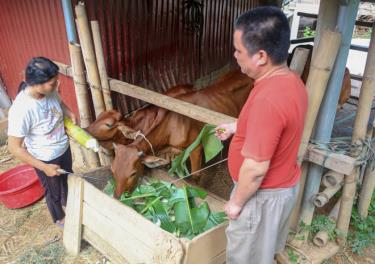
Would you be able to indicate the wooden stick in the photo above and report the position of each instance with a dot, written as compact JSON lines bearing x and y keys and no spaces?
{"x":332,"y":179}
{"x":101,"y":65}
{"x":89,"y":58}
{"x":322,"y":198}
{"x":359,"y":133}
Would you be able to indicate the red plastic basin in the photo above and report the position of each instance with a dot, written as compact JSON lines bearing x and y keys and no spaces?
{"x":20,"y":187}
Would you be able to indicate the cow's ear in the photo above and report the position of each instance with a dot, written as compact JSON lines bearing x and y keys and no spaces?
{"x":154,"y":162}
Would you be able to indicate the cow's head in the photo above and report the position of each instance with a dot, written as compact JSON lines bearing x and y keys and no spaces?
{"x":128,"y":167}
{"x":109,"y":128}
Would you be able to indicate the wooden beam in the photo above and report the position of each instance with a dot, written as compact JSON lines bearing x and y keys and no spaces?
{"x":337,"y":162}
{"x":193,"y":111}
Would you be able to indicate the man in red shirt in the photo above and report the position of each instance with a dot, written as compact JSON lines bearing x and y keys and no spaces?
{"x":262,"y":156}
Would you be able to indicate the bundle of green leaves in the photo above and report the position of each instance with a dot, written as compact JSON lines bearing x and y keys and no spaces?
{"x":181,"y":211}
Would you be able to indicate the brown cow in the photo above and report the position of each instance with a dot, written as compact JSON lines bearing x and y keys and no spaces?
{"x":346,"y":83}
{"x":110,"y":126}
{"x":226,"y":96}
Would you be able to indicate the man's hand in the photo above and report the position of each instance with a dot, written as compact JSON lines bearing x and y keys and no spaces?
{"x":51,"y":170}
{"x":232,"y":210}
{"x":224,"y":131}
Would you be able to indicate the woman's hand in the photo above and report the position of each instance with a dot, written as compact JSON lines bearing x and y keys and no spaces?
{"x":224,"y":131}
{"x":51,"y":170}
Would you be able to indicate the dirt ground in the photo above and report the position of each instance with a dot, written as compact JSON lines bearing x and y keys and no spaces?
{"x":28,"y":235}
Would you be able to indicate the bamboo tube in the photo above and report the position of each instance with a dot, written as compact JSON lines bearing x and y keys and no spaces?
{"x":332,"y":179}
{"x":321,"y":238}
{"x":101,"y":65}
{"x":299,"y":60}
{"x":89,"y":58}
{"x":80,"y":84}
{"x":322,"y":198}
{"x":82,"y":96}
{"x":321,"y":68}
{"x":359,"y":133}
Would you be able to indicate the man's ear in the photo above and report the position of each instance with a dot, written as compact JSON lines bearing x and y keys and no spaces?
{"x":154,"y":162}
{"x":262,"y":58}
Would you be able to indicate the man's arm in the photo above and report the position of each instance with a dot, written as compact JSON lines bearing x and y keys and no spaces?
{"x":250,"y":178}
{"x":15,"y":147}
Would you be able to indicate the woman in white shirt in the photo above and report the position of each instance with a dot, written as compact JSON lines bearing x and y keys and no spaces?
{"x":36,"y":118}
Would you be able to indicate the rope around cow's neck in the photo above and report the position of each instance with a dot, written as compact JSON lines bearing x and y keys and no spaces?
{"x":139,"y":133}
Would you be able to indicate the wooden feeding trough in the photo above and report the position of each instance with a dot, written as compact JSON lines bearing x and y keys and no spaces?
{"x":123,"y":235}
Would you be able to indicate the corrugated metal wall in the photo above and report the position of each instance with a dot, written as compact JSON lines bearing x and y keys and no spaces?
{"x":151,"y":43}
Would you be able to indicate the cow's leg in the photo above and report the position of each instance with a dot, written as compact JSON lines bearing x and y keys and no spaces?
{"x":196,"y":162}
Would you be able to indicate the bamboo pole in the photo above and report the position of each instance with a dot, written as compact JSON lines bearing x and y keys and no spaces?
{"x":321,"y":68}
{"x":101,"y":65}
{"x":82,"y":96}
{"x":332,"y":179}
{"x":299,"y":60}
{"x":359,"y":133}
{"x":322,"y":198}
{"x":321,"y":238}
{"x":89,"y":58}
{"x":79,"y":79}
{"x":368,"y":184}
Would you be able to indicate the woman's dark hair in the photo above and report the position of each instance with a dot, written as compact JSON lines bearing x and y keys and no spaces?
{"x":265,"y":28}
{"x":39,"y":70}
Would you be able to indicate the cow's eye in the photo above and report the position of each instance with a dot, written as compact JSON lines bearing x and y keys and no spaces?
{"x":109,"y":125}
{"x":133,"y":174}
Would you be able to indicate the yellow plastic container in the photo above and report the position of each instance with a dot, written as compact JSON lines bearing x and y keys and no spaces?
{"x":80,"y":135}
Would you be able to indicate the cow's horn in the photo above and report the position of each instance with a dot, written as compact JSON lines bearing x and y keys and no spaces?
{"x":140,"y":153}
{"x":114,"y":145}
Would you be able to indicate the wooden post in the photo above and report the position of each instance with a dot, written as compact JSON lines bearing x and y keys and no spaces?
{"x":73,"y":219}
{"x":89,"y":58}
{"x":80,"y":84}
{"x":299,"y":60}
{"x":359,"y":133}
{"x":316,"y":84}
{"x":101,"y":65}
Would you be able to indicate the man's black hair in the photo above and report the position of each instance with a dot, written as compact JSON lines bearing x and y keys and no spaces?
{"x":265,"y":28}
{"x":38,"y":71}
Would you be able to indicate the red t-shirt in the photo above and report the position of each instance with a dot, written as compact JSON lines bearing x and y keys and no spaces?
{"x":270,"y":127}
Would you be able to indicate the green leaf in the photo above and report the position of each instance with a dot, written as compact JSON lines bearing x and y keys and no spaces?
{"x":109,"y":189}
{"x":211,"y":145}
{"x":163,"y":216}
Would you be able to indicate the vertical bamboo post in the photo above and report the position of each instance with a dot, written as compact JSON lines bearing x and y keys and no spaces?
{"x":299,"y":60}
{"x":89,"y":58}
{"x":79,"y":80}
{"x":359,"y":133}
{"x":73,"y":221}
{"x":316,"y":84}
{"x":101,"y":65}
{"x":327,"y":111}
{"x":82,"y":96}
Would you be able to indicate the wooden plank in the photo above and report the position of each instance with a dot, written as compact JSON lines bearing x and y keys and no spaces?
{"x":299,"y":60}
{"x":206,"y":246}
{"x":136,"y":238}
{"x":131,"y":248}
{"x":193,"y":111}
{"x":73,"y":219}
{"x":337,"y":162}
{"x":103,"y":246}
{"x":64,"y":69}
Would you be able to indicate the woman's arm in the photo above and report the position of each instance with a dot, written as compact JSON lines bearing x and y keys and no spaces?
{"x":15,"y":147}
{"x":68,"y":113}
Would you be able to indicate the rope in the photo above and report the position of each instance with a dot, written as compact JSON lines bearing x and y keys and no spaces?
{"x":139,"y":133}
